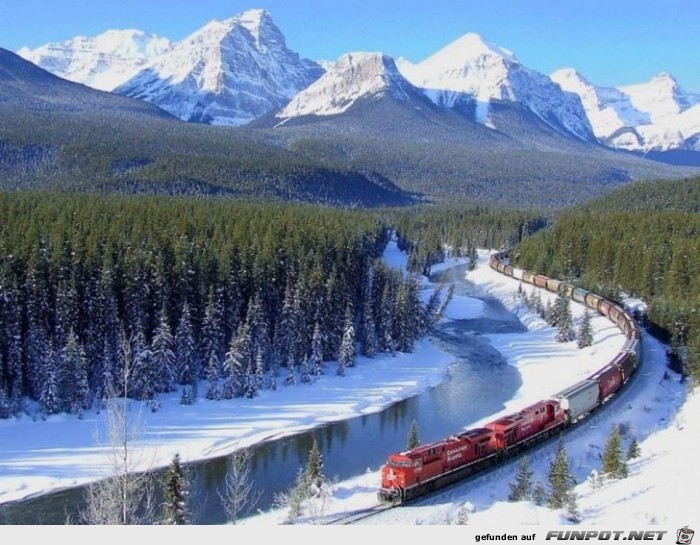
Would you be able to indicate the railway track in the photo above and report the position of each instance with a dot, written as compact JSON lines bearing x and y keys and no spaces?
{"x":360,"y":514}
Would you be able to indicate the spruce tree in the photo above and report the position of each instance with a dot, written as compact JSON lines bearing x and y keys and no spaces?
{"x":175,"y":494}
{"x":413,"y":436}
{"x":185,"y":352}
{"x":572,"y":512}
{"x":613,"y":464}
{"x":316,"y":360}
{"x":560,"y":479}
{"x":213,"y":378}
{"x":564,"y":325}
{"x":346,"y":354}
{"x":539,"y":494}
{"x":313,"y":476}
{"x":521,"y":490}
{"x":585,"y":335}
{"x":633,"y":450}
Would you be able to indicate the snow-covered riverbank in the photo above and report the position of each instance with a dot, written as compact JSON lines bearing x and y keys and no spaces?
{"x":38,"y":456}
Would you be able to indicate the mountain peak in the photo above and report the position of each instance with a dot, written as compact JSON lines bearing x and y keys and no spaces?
{"x":354,"y":76}
{"x":473,"y":45}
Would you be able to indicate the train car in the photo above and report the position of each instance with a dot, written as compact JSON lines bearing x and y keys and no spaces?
{"x":604,"y":306}
{"x":567,"y":289}
{"x":508,"y":270}
{"x":619,"y":318}
{"x":528,"y":277}
{"x":409,"y":474}
{"x":592,"y":300}
{"x":540,"y":281}
{"x":578,"y":400}
{"x":610,"y":379}
{"x":579,"y":295}
{"x":553,"y":285}
{"x":628,"y":363}
{"x":518,"y":273}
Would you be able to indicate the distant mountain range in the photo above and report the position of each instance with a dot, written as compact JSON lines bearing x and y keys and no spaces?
{"x":239,"y":70}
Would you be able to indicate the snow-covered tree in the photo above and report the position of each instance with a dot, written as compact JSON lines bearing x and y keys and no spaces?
{"x":521,"y":489}
{"x":564,"y":324}
{"x":73,"y":384}
{"x":213,"y":378}
{"x":145,"y":373}
{"x":185,"y":349}
{"x":238,"y":362}
{"x":585,"y":333}
{"x":314,"y":476}
{"x":162,"y":347}
{"x":175,"y":494}
{"x":369,"y":342}
{"x":633,"y":450}
{"x":346,"y":354}
{"x":560,"y":478}
{"x":49,"y":396}
{"x":316,"y":359}
{"x":413,"y":436}
{"x":239,"y":495}
{"x":613,"y":464}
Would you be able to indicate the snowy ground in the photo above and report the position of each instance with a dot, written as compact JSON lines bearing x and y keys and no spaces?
{"x":660,"y":491}
{"x":39,"y":456}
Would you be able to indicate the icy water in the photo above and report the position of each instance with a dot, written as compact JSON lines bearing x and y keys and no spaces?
{"x":478,"y":384}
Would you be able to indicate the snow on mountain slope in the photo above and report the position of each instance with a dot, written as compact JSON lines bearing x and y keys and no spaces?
{"x":228,"y":72}
{"x":487,"y":73}
{"x":353,"y":76}
{"x":658,"y":115}
{"x":102,"y":62}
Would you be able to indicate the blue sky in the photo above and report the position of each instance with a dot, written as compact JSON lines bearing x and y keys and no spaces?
{"x":612,"y":42}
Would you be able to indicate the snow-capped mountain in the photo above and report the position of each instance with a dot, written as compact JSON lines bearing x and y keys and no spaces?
{"x":470,"y":70}
{"x":654,"y":116}
{"x":103,"y":62}
{"x":353,"y":77}
{"x":228,"y":72}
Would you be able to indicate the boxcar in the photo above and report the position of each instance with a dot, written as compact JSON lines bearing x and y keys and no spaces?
{"x":517,"y":273}
{"x":508,"y":270}
{"x":541,"y":281}
{"x":592,"y":300}
{"x":579,"y":399}
{"x":553,"y":285}
{"x":579,"y":295}
{"x":604,"y":306}
{"x":528,"y":277}
{"x":628,"y":363}
{"x":609,"y":380}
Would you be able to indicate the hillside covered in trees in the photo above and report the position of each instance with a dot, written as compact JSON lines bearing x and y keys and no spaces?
{"x":643,"y":240}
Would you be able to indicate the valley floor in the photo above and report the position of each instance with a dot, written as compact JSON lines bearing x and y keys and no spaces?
{"x":38,"y":456}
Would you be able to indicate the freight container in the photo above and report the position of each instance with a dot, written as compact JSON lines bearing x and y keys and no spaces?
{"x":580,"y":399}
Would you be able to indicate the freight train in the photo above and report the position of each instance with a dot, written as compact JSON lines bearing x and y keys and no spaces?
{"x":412,"y":473}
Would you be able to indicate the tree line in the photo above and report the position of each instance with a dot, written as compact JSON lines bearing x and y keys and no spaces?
{"x":243,"y":296}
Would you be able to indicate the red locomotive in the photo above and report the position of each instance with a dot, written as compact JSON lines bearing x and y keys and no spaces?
{"x":412,"y":473}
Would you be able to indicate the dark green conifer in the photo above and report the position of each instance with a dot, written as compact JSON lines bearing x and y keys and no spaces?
{"x":413,"y":436}
{"x":175,"y":494}
{"x":521,"y":489}
{"x":560,"y":479}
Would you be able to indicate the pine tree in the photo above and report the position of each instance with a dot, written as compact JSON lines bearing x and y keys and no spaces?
{"x":213,"y":378}
{"x":633,"y":450}
{"x":74,"y":389}
{"x":316,"y":360}
{"x":346,"y":354}
{"x":572,"y":512}
{"x":413,"y":436}
{"x":185,"y":351}
{"x":238,"y":362}
{"x":314,"y":477}
{"x":585,"y":335}
{"x":370,"y":344}
{"x":175,"y":494}
{"x":145,"y":374}
{"x":564,"y":324}
{"x":561,"y":481}
{"x":49,"y":396}
{"x":539,"y":494}
{"x":522,"y":488}
{"x":613,"y":464}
